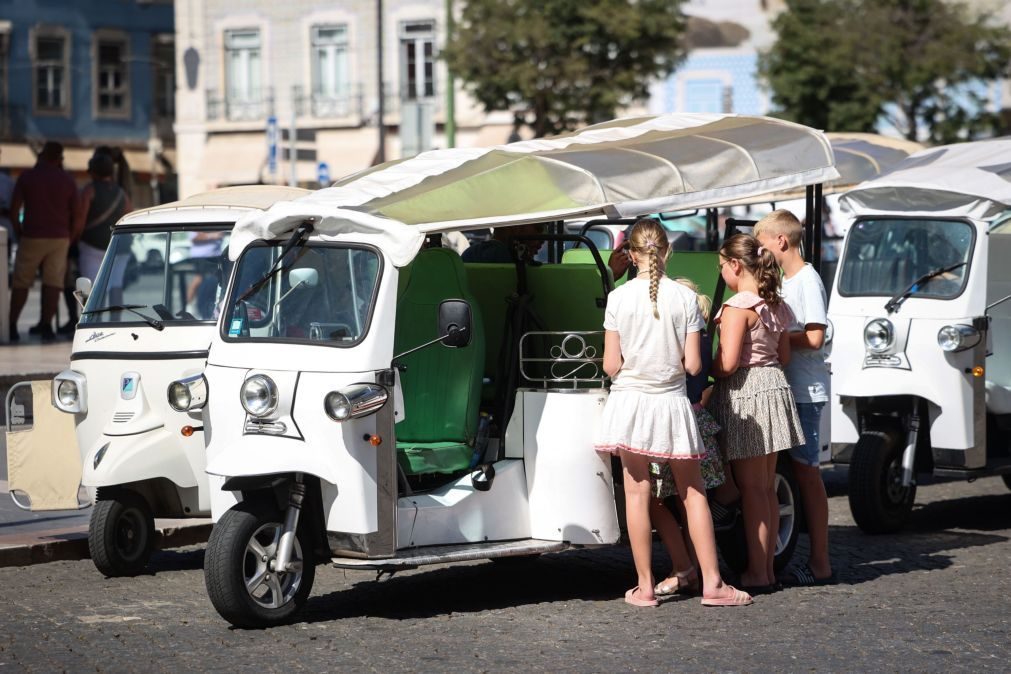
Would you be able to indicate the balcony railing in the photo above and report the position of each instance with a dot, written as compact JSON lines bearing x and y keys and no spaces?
{"x":240,"y":107}
{"x":320,"y":105}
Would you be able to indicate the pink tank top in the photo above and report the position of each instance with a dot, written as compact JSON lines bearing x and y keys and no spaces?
{"x":761,"y":341}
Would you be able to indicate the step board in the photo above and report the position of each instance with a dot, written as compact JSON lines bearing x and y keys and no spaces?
{"x":994,"y":466}
{"x":410,"y":558}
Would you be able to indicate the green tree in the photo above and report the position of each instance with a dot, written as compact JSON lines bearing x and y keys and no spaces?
{"x":560,"y":63}
{"x":844,"y":65}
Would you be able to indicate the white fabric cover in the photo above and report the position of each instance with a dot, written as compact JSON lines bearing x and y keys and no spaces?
{"x":961,"y":180}
{"x":626,"y":167}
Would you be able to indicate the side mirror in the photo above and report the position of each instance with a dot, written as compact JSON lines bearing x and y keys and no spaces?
{"x":83,"y":286}
{"x":455,"y":323}
{"x":304,"y":276}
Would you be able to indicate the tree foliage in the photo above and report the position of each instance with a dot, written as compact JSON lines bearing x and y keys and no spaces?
{"x":844,"y":65}
{"x":560,"y":63}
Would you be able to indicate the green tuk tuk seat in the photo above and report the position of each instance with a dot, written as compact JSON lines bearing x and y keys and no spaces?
{"x":441,"y":385}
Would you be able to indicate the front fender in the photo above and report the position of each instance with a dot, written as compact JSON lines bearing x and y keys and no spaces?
{"x":133,"y":458}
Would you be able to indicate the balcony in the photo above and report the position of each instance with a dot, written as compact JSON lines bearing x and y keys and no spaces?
{"x":347,"y":106}
{"x":249,"y":106}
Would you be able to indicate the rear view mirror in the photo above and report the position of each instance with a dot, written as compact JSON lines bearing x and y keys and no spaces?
{"x":84,"y":286}
{"x":303,"y":277}
{"x":455,"y":323}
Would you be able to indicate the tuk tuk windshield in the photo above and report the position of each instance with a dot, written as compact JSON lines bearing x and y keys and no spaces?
{"x":166,"y":276}
{"x":319,"y":293}
{"x":884,"y":256}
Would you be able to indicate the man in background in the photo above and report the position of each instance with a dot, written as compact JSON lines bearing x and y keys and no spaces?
{"x":48,"y":196}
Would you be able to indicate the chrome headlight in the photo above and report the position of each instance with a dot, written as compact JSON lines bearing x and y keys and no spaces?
{"x":70,"y":392}
{"x":879,"y":335}
{"x":188,"y":394}
{"x":358,"y":400}
{"x":259,"y":395}
{"x":957,"y":337}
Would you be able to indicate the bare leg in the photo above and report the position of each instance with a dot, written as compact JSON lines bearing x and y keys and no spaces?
{"x":700,"y":526}
{"x":670,"y":533}
{"x":635,"y":469}
{"x":683,"y":514}
{"x":773,"y":516}
{"x":812,"y":493}
{"x":752,"y":479}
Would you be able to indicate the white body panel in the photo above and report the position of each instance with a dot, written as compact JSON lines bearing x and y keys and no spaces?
{"x":458,"y":513}
{"x":570,"y":486}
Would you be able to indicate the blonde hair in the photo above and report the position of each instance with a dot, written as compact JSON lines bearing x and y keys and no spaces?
{"x":782,"y":222}
{"x":759,"y":262}
{"x":650,"y":239}
{"x":705,"y":302}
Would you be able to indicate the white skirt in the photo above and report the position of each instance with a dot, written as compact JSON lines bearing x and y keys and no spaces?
{"x":659,"y":425}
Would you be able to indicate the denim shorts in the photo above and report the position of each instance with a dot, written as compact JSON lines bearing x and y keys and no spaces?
{"x":810,"y":421}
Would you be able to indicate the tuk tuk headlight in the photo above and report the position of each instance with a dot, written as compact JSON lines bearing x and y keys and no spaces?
{"x":957,"y":337}
{"x":259,"y":395}
{"x":879,"y":335}
{"x":70,"y":392}
{"x":188,"y":394}
{"x":358,"y":400}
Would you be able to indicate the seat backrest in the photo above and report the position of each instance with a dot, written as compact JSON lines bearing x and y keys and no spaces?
{"x":441,"y":385}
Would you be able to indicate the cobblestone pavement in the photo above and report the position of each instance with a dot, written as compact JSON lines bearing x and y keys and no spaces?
{"x":932,"y":598}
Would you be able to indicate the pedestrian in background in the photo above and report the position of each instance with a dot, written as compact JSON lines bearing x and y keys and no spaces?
{"x":803,"y":291}
{"x":752,"y":401}
{"x":48,"y":196}
{"x":101,"y":204}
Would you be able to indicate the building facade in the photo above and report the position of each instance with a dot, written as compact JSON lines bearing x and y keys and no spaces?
{"x":251,"y":71}
{"x":88,"y":73}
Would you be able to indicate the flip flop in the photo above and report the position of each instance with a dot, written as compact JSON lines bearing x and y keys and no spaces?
{"x":804,"y":577}
{"x":682,"y":581}
{"x":630,"y":598}
{"x":738,"y":598}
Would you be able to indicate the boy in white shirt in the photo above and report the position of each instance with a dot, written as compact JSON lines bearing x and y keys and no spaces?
{"x":781,"y":232}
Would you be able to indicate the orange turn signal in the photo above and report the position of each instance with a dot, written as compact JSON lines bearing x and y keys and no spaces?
{"x":375,"y":441}
{"x":187,"y":431}
{"x":977,"y":371}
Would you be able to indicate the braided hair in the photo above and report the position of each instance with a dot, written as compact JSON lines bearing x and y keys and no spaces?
{"x":650,"y":239}
{"x":759,"y":262}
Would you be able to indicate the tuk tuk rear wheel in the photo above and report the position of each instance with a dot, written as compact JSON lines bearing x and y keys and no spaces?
{"x":878,"y":501}
{"x":121,"y":533}
{"x":241,"y":582}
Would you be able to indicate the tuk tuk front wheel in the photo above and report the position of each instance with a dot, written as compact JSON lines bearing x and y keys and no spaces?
{"x":121,"y":533}
{"x":242,"y":583}
{"x":878,"y":501}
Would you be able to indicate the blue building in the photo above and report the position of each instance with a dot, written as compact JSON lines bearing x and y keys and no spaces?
{"x":86,"y":73}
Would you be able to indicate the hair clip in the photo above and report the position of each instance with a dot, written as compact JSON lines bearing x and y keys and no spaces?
{"x":761,"y":249}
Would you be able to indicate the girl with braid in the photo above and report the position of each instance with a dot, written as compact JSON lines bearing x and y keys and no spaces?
{"x":752,"y":400}
{"x":651,"y":340}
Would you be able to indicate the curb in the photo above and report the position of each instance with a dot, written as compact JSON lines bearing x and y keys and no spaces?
{"x":73,"y":545}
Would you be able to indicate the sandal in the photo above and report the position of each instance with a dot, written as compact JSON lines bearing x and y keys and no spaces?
{"x":682,"y":581}
{"x":630,"y":598}
{"x":804,"y":577}
{"x":738,"y":598}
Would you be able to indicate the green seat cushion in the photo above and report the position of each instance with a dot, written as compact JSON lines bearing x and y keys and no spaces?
{"x":417,"y":458}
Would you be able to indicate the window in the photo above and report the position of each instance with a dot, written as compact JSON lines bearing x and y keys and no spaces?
{"x":243,"y":64}
{"x":164,"y":52}
{"x":329,"y":70}
{"x":111,"y":77}
{"x":52,"y":87}
{"x":417,"y":60}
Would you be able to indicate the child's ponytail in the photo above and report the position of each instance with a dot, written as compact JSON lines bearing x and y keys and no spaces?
{"x":759,"y":262}
{"x":650,"y":239}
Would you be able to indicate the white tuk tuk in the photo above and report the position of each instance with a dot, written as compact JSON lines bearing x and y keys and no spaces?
{"x":148,"y":320}
{"x":921,"y":379}
{"x":342,"y":428}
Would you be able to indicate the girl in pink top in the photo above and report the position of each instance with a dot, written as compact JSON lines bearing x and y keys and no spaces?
{"x":752,"y":400}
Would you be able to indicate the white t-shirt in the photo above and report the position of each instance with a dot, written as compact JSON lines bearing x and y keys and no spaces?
{"x":807,"y":373}
{"x":652,"y":349}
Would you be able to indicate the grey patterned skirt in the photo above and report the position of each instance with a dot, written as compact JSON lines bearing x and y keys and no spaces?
{"x":756,"y":409}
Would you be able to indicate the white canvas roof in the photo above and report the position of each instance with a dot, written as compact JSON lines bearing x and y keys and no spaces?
{"x":623,"y":168}
{"x":242,"y":197}
{"x":960,"y":180}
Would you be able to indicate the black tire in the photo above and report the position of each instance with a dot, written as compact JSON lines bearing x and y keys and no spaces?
{"x":878,"y":501}
{"x":121,"y":534}
{"x":1007,"y":480}
{"x":734,"y":545}
{"x":230,"y":561}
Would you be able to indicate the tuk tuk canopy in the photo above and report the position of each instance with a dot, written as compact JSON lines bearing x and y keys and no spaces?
{"x":961,"y":180}
{"x":622,"y":168}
